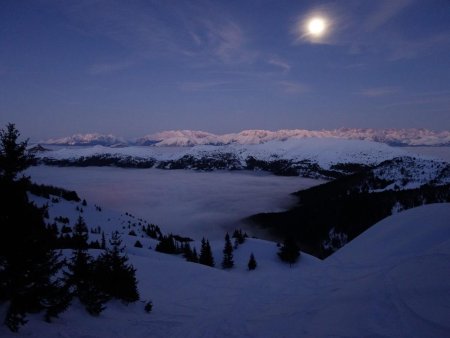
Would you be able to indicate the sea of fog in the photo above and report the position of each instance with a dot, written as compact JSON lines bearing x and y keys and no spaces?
{"x":185,"y":202}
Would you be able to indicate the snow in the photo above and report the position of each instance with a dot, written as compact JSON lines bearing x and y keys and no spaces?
{"x":94,"y":138}
{"x":392,"y":281}
{"x":411,"y":137}
{"x":410,"y":173}
{"x":323,"y":151}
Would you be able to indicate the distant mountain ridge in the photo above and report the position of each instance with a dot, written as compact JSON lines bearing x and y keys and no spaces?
{"x":92,"y":139}
{"x":189,"y":138}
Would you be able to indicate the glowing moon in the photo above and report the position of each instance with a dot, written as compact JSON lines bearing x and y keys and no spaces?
{"x":316,"y":26}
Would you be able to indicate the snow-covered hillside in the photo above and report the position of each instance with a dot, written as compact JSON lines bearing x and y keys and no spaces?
{"x":308,"y":157}
{"x":298,"y":154}
{"x":392,"y":281}
{"x":182,"y":138}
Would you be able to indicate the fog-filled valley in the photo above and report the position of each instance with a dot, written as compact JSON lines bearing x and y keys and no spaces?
{"x":185,"y":202}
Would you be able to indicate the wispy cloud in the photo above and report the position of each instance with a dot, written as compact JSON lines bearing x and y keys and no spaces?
{"x":385,"y":11}
{"x":379,"y":91}
{"x":226,"y":41}
{"x":195,"y":86}
{"x":286,"y":67}
{"x":291,"y":87}
{"x":409,"y":49}
{"x":146,"y":29}
{"x":428,"y":99}
{"x":106,"y":68}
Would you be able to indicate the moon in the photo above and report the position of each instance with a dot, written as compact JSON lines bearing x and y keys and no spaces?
{"x":317,"y":26}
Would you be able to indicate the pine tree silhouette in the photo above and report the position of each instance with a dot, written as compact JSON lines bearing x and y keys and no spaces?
{"x":227,"y":262}
{"x":28,"y":263}
{"x":252,"y":262}
{"x":194,"y":257}
{"x":80,"y":234}
{"x":82,"y":282}
{"x":103,"y":242}
{"x":206,"y":257}
{"x":116,"y":276}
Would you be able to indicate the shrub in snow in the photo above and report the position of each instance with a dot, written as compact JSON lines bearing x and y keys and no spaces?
{"x":148,"y":306}
{"x":252,"y":262}
{"x":289,"y":252}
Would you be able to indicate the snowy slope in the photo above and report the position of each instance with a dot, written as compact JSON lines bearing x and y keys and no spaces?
{"x":411,"y":173}
{"x":410,"y":137}
{"x":323,"y":151}
{"x":392,"y":281}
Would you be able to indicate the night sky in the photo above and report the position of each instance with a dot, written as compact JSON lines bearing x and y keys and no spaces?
{"x":132,"y":68}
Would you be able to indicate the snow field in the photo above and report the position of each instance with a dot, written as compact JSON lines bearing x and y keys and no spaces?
{"x":393,"y":280}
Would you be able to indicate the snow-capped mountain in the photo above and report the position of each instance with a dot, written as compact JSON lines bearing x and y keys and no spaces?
{"x":188,"y":138}
{"x":88,"y":140}
{"x":179,"y":138}
{"x":405,"y":137}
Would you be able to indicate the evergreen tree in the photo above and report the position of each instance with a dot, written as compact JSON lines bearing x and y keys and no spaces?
{"x":206,"y":257}
{"x":289,"y":252}
{"x":166,"y":245}
{"x":116,"y":277}
{"x":13,"y":155}
{"x":80,"y":234}
{"x":187,"y":251}
{"x":252,"y":262}
{"x":227,"y":262}
{"x":82,"y":279}
{"x":28,"y":264}
{"x":103,"y":242}
{"x":194,"y":257}
{"x":239,"y":237}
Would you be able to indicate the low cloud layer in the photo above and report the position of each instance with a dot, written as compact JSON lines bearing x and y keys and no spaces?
{"x":180,"y":201}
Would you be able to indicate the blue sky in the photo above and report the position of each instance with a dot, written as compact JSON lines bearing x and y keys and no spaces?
{"x":136,"y":67}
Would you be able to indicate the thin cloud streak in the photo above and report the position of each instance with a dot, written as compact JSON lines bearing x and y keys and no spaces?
{"x":438,"y":97}
{"x":387,"y":9}
{"x":286,"y":67}
{"x":291,"y":87}
{"x":379,"y":91}
{"x":107,"y":68}
{"x":202,"y":85}
{"x":179,"y":29}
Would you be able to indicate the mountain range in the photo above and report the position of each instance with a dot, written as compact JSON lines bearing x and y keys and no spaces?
{"x":187,"y":138}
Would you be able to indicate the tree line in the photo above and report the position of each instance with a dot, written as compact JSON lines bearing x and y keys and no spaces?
{"x":34,"y":277}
